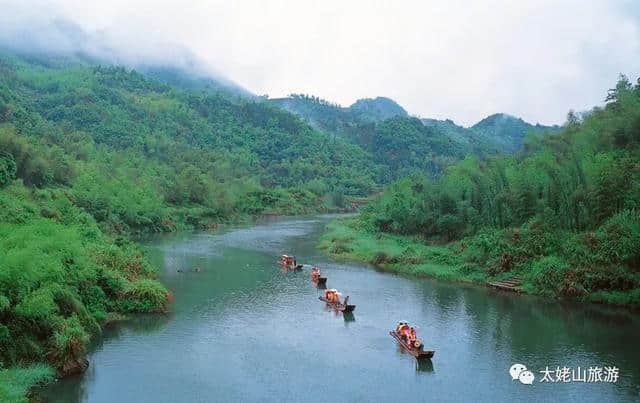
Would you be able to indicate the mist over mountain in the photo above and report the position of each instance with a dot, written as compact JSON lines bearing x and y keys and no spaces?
{"x":60,"y":41}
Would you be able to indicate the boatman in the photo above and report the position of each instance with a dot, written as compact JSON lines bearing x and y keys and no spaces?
{"x":412,"y":337}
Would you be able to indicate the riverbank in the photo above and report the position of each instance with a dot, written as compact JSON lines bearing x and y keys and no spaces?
{"x":344,"y":241}
{"x":471,"y":261}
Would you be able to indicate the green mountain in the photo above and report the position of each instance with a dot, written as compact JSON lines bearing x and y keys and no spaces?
{"x":193,"y":80}
{"x":397,"y":142}
{"x":318,"y":113}
{"x":406,"y":146}
{"x":496,"y":133}
{"x":376,"y":109}
{"x":335,"y":119}
{"x":507,"y":133}
{"x":476,"y":142}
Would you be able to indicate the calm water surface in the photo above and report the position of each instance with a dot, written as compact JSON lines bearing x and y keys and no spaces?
{"x":242,"y":330}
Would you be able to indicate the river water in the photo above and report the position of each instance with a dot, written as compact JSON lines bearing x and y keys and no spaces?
{"x":243,"y":330}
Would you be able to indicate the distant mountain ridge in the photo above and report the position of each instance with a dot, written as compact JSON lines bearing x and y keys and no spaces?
{"x":508,"y":132}
{"x":331,"y":117}
{"x":499,"y":132}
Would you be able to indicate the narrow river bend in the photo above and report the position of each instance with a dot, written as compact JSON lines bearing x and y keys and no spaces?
{"x":242,"y":330}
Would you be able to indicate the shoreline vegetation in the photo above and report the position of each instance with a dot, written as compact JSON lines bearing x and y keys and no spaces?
{"x":345,"y":239}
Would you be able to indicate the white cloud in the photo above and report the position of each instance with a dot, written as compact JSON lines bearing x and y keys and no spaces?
{"x":445,"y":59}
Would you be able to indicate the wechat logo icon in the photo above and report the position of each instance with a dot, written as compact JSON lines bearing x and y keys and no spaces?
{"x":520,"y":372}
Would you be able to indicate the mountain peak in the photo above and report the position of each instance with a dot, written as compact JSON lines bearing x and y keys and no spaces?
{"x":379,"y":108}
{"x":498,"y":119}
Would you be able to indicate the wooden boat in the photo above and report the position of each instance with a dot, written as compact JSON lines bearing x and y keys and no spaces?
{"x":289,"y":262}
{"x":319,"y":280}
{"x":286,"y":262}
{"x":416,"y":352}
{"x":339,"y":307}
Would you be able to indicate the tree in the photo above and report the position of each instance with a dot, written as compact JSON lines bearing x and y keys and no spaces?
{"x":7,"y":168}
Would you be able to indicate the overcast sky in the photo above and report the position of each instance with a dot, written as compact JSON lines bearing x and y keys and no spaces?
{"x":443,"y":59}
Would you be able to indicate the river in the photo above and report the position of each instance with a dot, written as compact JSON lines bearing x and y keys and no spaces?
{"x":243,"y":330}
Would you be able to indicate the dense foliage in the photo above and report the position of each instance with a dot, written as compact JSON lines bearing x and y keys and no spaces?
{"x":61,"y":277}
{"x":564,"y":213}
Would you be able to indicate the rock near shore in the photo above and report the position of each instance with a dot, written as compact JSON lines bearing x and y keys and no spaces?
{"x":73,"y":367}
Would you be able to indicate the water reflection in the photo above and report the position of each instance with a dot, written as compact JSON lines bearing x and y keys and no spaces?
{"x":349,"y":317}
{"x":424,"y":365}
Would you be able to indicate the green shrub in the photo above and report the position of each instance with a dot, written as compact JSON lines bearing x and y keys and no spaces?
{"x":145,"y":295}
{"x":619,"y":239}
{"x":547,"y":275}
{"x":7,"y":168}
{"x":16,"y":382}
{"x":379,"y":258}
{"x":69,"y":342}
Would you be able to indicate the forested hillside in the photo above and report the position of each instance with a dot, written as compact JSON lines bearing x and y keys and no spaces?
{"x":496,"y":133}
{"x":397,"y":142}
{"x":507,"y":133}
{"x":103,"y":129}
{"x":376,"y":109}
{"x":564,"y":214}
{"x":335,"y":119}
{"x":368,"y":123}
{"x":403,"y":145}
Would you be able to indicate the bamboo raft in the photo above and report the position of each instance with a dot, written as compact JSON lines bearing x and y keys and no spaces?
{"x":416,"y":352}
{"x":338,"y":307}
{"x":511,"y":284}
